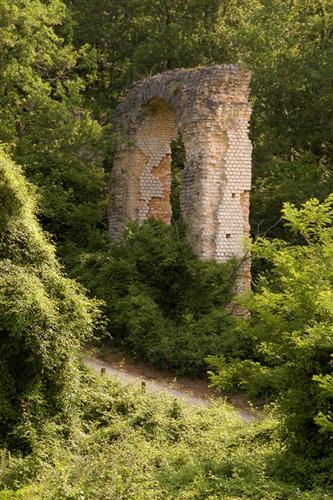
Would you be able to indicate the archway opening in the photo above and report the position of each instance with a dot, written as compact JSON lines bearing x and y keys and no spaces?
{"x":153,"y":139}
{"x":163,"y":162}
{"x":178,"y":158}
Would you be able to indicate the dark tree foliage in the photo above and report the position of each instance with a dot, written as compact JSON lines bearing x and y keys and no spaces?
{"x":162,"y":303}
{"x":46,"y":123}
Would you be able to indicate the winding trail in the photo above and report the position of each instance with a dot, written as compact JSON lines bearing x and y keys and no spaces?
{"x":153,"y":386}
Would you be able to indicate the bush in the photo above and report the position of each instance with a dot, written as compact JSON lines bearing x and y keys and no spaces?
{"x":291,"y":327}
{"x":44,"y":318}
{"x":162,"y":303}
{"x":246,"y":376}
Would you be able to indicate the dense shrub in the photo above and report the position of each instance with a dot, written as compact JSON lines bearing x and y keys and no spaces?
{"x":163,"y":303}
{"x":130,"y":446}
{"x":44,"y":317}
{"x":291,"y":327}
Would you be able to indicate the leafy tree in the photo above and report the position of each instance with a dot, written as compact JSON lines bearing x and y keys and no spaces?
{"x":138,"y":38}
{"x":44,"y":119}
{"x":291,"y":49}
{"x":325,"y":418}
{"x":291,"y":327}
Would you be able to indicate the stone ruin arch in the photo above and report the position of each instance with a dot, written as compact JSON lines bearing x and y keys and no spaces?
{"x":209,"y":107}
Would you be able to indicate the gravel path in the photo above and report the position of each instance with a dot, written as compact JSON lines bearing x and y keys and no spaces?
{"x":153,"y":387}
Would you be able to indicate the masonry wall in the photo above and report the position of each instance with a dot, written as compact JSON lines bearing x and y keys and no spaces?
{"x":209,"y":107}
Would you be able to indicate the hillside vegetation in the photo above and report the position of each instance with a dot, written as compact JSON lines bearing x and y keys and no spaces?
{"x":127,"y":445}
{"x":64,"y":66}
{"x":44,"y":319}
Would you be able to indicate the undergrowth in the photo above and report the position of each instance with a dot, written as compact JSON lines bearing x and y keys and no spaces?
{"x":162,"y":303}
{"x":127,"y":445}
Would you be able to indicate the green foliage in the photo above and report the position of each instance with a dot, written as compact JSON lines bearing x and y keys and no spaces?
{"x":240,"y":375}
{"x":45,"y":120}
{"x":291,"y":326}
{"x":177,"y":164}
{"x":163,"y":303}
{"x":292,"y":122}
{"x":128,"y":445}
{"x":325,"y":419}
{"x":44,"y":318}
{"x":286,"y":45}
{"x":139,"y":38}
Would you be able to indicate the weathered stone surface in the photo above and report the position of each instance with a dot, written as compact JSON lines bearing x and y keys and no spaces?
{"x":209,"y":107}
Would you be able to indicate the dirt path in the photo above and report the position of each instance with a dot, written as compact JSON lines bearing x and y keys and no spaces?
{"x":193,"y":392}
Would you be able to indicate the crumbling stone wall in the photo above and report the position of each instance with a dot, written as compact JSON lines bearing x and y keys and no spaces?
{"x":209,"y":107}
